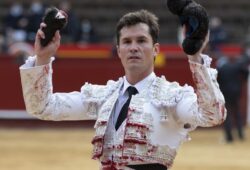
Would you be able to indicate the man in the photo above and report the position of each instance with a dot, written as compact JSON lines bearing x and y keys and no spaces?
{"x":159,"y":114}
{"x":232,"y":74}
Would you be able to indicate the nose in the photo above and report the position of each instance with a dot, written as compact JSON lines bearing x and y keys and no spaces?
{"x":134,"y":47}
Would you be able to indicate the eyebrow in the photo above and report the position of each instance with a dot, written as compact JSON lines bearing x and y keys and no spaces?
{"x":139,"y":37}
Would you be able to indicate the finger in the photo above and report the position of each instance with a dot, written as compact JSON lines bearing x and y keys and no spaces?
{"x":37,"y":40}
{"x":57,"y":36}
{"x":42,"y":25}
{"x":207,"y":36}
{"x":40,"y":34}
{"x":56,"y":39}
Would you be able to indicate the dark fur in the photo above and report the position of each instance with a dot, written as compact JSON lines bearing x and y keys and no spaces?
{"x":177,"y":6}
{"x":195,"y":19}
{"x":53,"y":24}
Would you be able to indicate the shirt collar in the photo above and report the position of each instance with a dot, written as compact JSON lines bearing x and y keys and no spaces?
{"x":140,"y":85}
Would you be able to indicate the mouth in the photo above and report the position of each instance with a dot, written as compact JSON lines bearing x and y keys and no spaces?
{"x":133,"y":58}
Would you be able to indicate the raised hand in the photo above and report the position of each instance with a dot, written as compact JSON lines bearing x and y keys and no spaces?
{"x":54,"y":19}
{"x":48,"y":36}
{"x":44,"y":53}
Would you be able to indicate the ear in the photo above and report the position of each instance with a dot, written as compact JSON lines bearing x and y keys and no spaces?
{"x":156,"y":49}
{"x":118,"y":51}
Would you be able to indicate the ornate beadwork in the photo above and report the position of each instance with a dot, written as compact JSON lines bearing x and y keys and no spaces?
{"x":99,"y":94}
{"x":166,"y":94}
{"x":137,"y":138}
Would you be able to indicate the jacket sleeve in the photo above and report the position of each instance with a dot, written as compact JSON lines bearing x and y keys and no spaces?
{"x":205,"y":107}
{"x":41,"y":102}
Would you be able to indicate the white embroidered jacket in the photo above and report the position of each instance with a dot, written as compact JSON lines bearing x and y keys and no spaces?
{"x":159,"y":118}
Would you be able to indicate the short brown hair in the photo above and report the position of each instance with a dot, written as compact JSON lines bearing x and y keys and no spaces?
{"x":141,"y":16}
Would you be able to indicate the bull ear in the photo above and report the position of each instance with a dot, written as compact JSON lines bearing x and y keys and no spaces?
{"x":191,"y":46}
{"x":177,"y":6}
{"x":195,"y":19}
{"x":53,"y":23}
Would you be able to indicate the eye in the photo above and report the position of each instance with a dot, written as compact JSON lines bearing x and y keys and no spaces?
{"x":141,"y":40}
{"x":126,"y":41}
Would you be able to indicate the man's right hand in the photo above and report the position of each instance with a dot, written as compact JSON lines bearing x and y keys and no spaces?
{"x":44,"y":53}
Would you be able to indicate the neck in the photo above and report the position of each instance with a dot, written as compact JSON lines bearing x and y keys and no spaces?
{"x":134,"y":78}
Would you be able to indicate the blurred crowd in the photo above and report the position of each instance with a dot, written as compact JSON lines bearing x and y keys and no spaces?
{"x":20,"y":25}
{"x":233,"y":72}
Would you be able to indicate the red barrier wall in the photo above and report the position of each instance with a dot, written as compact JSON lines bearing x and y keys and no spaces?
{"x":71,"y":74}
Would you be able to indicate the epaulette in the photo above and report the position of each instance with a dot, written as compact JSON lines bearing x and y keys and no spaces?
{"x":167,"y":94}
{"x":99,"y":93}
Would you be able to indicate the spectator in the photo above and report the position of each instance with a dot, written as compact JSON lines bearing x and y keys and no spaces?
{"x":88,"y":34}
{"x":2,"y":44}
{"x":15,"y":24}
{"x":35,"y":15}
{"x":218,"y":34}
{"x":20,"y":51}
{"x":72,"y":31}
{"x":232,"y":72}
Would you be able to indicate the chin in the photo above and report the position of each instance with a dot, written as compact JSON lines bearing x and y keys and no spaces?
{"x":132,"y":68}
{"x":136,"y":68}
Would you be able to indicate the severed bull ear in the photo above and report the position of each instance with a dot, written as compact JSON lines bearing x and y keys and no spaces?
{"x":177,"y":6}
{"x":55,"y":19}
{"x":195,"y":19}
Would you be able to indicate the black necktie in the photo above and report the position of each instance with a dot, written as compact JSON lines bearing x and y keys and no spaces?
{"x":124,"y":111}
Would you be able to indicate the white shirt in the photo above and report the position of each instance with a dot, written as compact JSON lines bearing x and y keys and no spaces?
{"x":123,"y":95}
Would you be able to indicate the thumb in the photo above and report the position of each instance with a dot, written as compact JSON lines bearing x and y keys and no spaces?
{"x":57,"y":38}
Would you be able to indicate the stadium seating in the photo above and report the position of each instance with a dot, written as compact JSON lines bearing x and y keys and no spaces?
{"x":105,"y":13}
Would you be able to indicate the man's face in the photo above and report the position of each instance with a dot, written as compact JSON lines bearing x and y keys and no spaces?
{"x":136,"y":49}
